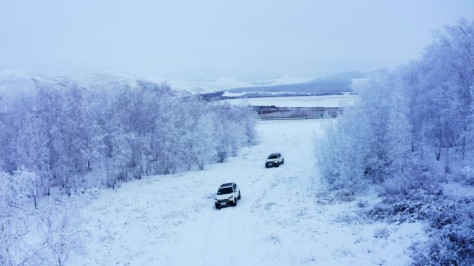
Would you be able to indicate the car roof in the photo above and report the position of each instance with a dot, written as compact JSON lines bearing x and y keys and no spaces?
{"x":227,"y":184}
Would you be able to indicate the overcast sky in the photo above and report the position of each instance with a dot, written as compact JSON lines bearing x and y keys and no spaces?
{"x":201,"y":39}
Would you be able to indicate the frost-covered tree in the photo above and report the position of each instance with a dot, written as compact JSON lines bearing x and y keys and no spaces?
{"x":375,"y":110}
{"x":73,"y":136}
{"x":15,"y":191}
{"x":400,"y":142}
{"x":203,"y":149}
{"x":443,"y":86}
{"x":343,"y":168}
{"x":418,"y":117}
{"x":60,"y":232}
{"x":413,"y":133}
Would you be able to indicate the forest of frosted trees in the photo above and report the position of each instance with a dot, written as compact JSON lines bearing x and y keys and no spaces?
{"x":60,"y":138}
{"x":412,"y":133}
{"x":72,"y":137}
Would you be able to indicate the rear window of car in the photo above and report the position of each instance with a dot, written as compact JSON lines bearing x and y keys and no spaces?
{"x":224,"y":190}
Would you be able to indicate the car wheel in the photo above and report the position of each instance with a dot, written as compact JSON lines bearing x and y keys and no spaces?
{"x":239,"y":195}
{"x":235,"y":202}
{"x":217,"y":206}
{"x":277,"y":164}
{"x":283,"y":161}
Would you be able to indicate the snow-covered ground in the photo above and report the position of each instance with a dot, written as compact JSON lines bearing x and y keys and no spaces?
{"x":280,"y":220}
{"x":299,"y":101}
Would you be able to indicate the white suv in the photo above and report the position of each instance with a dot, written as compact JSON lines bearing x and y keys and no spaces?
{"x":227,"y":195}
{"x":274,"y":159}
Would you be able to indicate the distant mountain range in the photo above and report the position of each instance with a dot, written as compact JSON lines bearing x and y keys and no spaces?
{"x":330,"y":85}
{"x":224,"y":84}
{"x":15,"y":83}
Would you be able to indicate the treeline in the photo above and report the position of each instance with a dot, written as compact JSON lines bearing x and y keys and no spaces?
{"x":412,"y":132}
{"x":273,"y":112}
{"x":73,"y":137}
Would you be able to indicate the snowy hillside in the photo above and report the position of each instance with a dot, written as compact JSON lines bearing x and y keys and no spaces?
{"x":207,"y":86}
{"x":104,"y":80}
{"x":223,"y":83}
{"x":283,"y":217}
{"x":14,"y":85}
{"x":23,"y":81}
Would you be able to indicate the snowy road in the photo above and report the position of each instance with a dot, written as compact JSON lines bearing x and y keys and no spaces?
{"x":171,"y":220}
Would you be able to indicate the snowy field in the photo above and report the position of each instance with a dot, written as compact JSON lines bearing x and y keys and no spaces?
{"x":299,"y":101}
{"x":282,"y":218}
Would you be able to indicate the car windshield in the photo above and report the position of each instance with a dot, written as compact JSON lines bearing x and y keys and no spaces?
{"x":273,"y":156}
{"x":224,"y":190}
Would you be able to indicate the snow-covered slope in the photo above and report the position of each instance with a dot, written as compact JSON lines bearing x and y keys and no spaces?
{"x":104,"y":80}
{"x":284,"y":84}
{"x":24,"y":81}
{"x":207,"y":86}
{"x":223,"y":83}
{"x":282,"y":80}
{"x":13,"y":84}
{"x":281,"y":219}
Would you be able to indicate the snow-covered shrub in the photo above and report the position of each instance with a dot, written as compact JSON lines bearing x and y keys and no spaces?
{"x":28,"y":184}
{"x":46,"y":234}
{"x":8,"y":223}
{"x":382,"y":233}
{"x":324,"y":197}
{"x":344,"y":195}
{"x":406,"y":211}
{"x":362,"y":204}
{"x":61,"y":233}
{"x":466,"y":175}
{"x":451,"y":235}
{"x":451,"y":225}
{"x":15,"y":191}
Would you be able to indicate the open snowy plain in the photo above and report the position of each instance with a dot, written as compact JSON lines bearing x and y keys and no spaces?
{"x":283,"y":218}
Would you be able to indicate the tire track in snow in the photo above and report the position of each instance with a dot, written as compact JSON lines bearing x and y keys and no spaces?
{"x":217,"y":245}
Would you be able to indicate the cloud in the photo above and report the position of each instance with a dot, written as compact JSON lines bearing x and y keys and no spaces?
{"x":207,"y":39}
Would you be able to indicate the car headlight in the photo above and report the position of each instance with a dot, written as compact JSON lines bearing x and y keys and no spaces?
{"x":230,"y":197}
